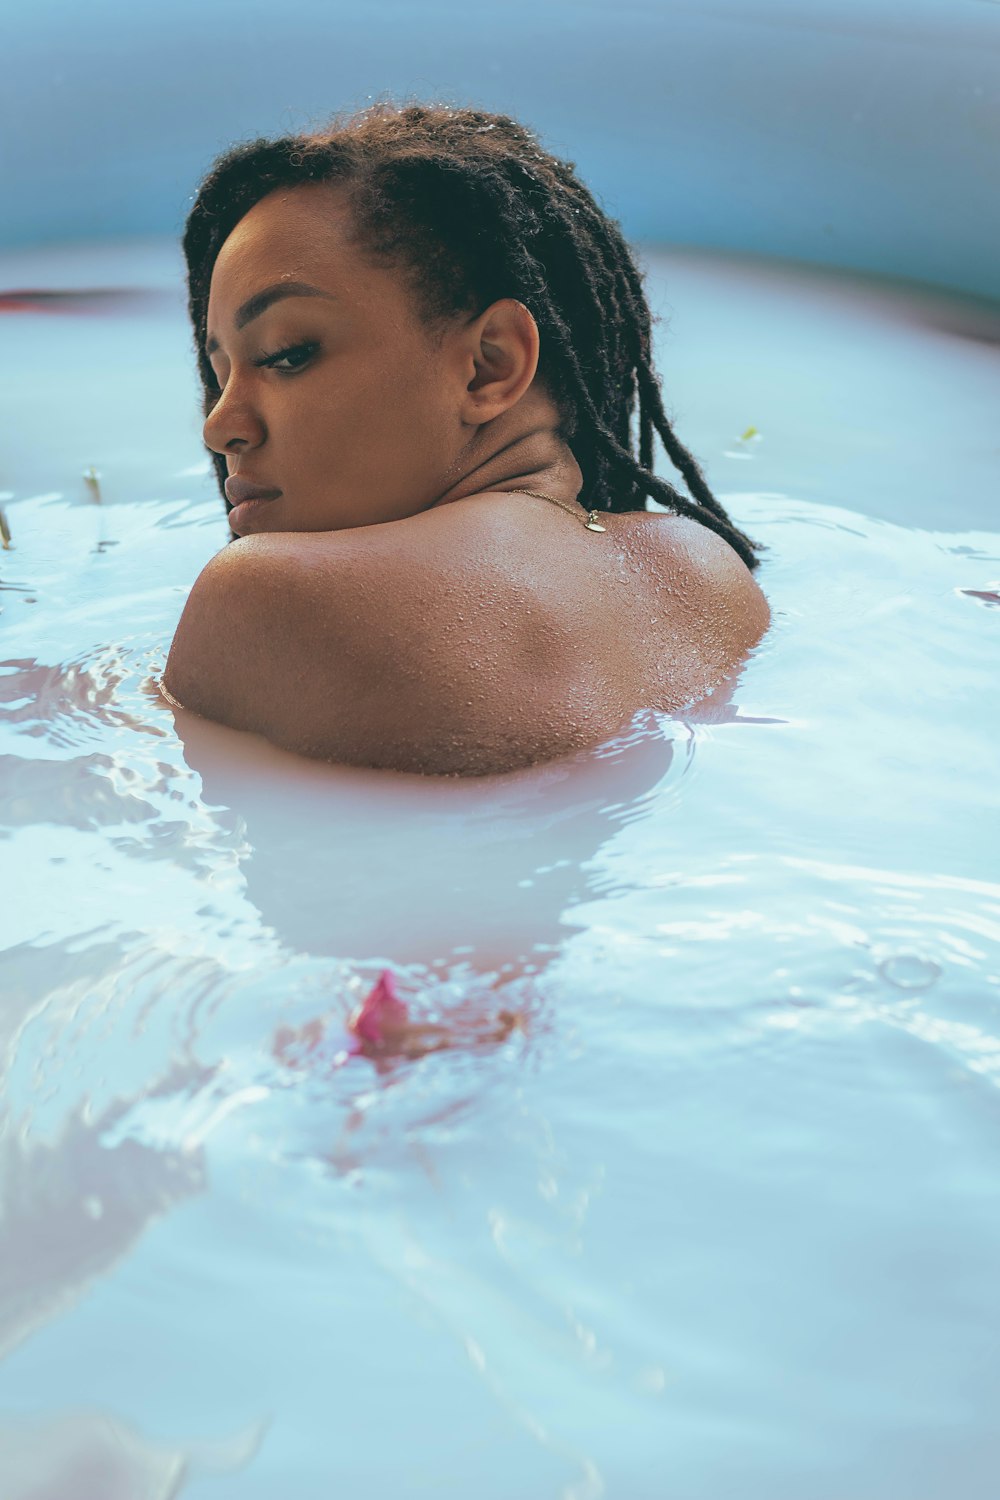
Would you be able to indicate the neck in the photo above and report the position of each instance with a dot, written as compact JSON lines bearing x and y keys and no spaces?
{"x":534,"y":458}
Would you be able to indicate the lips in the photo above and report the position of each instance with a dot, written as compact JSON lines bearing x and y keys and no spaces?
{"x":238,"y":490}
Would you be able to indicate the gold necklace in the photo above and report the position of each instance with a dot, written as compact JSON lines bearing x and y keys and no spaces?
{"x":591,"y":522}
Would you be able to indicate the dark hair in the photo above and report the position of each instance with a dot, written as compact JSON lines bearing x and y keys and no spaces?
{"x":473,"y":209}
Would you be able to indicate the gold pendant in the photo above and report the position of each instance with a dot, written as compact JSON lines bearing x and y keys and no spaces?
{"x":592,"y":523}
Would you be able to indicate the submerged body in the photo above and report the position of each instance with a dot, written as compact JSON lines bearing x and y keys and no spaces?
{"x":472,"y":638}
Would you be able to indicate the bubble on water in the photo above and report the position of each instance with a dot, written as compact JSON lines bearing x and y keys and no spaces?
{"x":909,"y":971}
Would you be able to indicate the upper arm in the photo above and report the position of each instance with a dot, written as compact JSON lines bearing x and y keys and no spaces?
{"x":341,"y":650}
{"x":282,"y":636}
{"x":719,"y":590}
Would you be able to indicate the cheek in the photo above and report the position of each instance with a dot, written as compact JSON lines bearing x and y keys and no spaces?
{"x":426,"y":400}
{"x":388,"y":409}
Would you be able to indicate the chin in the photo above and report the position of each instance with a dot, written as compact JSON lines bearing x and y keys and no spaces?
{"x":251,"y":516}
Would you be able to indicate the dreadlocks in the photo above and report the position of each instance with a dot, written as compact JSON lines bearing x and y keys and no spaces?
{"x":472,"y":209}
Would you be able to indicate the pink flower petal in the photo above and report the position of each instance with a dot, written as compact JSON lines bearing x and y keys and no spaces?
{"x":381,"y":1013}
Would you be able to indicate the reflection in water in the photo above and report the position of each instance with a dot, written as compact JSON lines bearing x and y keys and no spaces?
{"x":62,"y":703}
{"x":412,"y":869}
{"x":73,"y":1206}
{"x":75,"y":1200}
{"x":90,"y":1456}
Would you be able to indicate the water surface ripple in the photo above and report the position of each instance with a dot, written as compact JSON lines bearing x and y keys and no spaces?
{"x":719,"y":1214}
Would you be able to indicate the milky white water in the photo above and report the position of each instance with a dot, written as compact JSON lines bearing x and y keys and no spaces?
{"x":721,"y":1215}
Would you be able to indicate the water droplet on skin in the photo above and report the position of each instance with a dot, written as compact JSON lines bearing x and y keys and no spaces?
{"x":908,"y":971}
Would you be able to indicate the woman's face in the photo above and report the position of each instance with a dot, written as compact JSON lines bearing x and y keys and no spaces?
{"x":337,"y":395}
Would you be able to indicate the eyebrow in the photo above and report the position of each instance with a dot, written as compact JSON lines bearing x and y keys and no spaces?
{"x":261,"y":301}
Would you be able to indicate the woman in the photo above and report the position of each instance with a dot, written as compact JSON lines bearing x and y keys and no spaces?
{"x":423,"y":347}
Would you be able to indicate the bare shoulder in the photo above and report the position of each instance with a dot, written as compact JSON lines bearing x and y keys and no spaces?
{"x":471,"y":639}
{"x":688,"y":609}
{"x":691,"y":552}
{"x":397,"y":645}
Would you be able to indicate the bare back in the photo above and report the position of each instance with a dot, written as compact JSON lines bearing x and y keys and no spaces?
{"x":479,"y":636}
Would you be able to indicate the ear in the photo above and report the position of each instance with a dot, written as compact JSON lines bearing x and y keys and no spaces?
{"x":499,"y":357}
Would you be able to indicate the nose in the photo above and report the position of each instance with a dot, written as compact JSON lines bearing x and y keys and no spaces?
{"x":232,"y":424}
